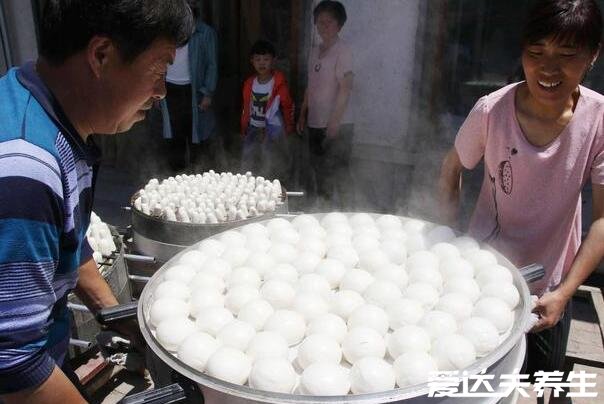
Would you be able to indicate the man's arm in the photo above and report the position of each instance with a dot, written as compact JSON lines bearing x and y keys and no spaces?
{"x":551,"y":305}
{"x":95,"y":293}
{"x":56,"y":389}
{"x":449,"y":187}
{"x":92,"y":289}
{"x":31,"y":223}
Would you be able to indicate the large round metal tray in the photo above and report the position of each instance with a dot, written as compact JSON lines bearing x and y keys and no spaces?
{"x":246,"y":394}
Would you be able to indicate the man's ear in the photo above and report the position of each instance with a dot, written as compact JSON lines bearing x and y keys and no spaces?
{"x":99,"y":52}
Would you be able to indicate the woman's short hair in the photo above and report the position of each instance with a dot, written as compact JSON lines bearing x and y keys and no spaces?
{"x":67,"y":26}
{"x":334,"y":8}
{"x":574,"y":21}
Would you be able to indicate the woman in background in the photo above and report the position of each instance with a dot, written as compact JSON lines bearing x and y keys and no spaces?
{"x":188,"y":117}
{"x":326,"y":108}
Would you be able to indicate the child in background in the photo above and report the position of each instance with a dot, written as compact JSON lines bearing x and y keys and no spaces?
{"x":267,"y":116}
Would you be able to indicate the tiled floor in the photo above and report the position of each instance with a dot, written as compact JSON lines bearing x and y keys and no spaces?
{"x":120,"y":384}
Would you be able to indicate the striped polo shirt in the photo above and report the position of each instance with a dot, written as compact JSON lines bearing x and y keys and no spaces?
{"x":46,"y":192}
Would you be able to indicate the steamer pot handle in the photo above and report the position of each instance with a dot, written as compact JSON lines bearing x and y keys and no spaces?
{"x":532,"y":273}
{"x":297,"y":194}
{"x":138,"y":278}
{"x":169,"y":394}
{"x":117,"y":313}
{"x":140,"y":258}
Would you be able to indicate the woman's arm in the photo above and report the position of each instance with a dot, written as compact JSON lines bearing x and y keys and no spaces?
{"x":303,"y":110}
{"x":449,"y":187}
{"x":551,"y":305}
{"x":210,"y":79}
{"x":210,"y":71}
{"x":344,"y":90}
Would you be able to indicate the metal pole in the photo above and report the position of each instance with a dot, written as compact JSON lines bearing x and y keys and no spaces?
{"x":80,"y":343}
{"x":140,"y":258}
{"x":4,"y":37}
{"x":78,"y":307}
{"x":137,"y":278}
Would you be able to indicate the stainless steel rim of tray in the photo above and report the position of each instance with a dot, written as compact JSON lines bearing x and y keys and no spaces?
{"x":522,"y":314}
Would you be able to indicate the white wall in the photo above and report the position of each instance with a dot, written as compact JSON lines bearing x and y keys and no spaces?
{"x":21,"y":30}
{"x":382,"y":35}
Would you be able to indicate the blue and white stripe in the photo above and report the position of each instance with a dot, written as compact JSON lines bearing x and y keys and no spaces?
{"x":45,"y":191}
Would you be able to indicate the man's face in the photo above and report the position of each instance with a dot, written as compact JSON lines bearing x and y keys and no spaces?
{"x":263,"y":64}
{"x":128,"y":90}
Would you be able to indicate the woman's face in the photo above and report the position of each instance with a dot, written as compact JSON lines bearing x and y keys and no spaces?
{"x":327,"y":26}
{"x":554,"y":70}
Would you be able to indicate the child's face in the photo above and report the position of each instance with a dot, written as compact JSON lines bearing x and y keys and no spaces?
{"x":263,"y":64}
{"x":327,"y":26}
{"x":554,"y":70}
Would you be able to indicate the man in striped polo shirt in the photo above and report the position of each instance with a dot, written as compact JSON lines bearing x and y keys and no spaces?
{"x":102,"y":65}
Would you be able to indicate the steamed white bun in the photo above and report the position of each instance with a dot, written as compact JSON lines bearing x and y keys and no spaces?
{"x":230,"y":365}
{"x":414,"y":368}
{"x":324,"y":379}
{"x":196,"y":349}
{"x":371,"y":375}
{"x":273,"y":374}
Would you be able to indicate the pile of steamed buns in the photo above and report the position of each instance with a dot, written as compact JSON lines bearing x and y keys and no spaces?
{"x":346,"y":303}
{"x":209,"y":197}
{"x":100,"y":239}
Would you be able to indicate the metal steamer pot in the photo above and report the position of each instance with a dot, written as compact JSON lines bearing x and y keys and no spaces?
{"x":161,"y":239}
{"x":506,"y":359}
{"x":113,"y":269}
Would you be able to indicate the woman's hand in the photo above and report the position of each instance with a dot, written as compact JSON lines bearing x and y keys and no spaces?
{"x":550,"y":308}
{"x":333,"y":128}
{"x":302,"y":117}
{"x":301,"y":124}
{"x":206,"y":103}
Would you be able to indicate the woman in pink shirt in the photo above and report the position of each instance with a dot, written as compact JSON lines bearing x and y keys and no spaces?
{"x":541,"y":140}
{"x":326,"y":108}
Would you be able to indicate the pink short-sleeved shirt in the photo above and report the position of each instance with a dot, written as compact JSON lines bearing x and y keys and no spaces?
{"x":529,"y":207}
{"x":324,"y":76}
